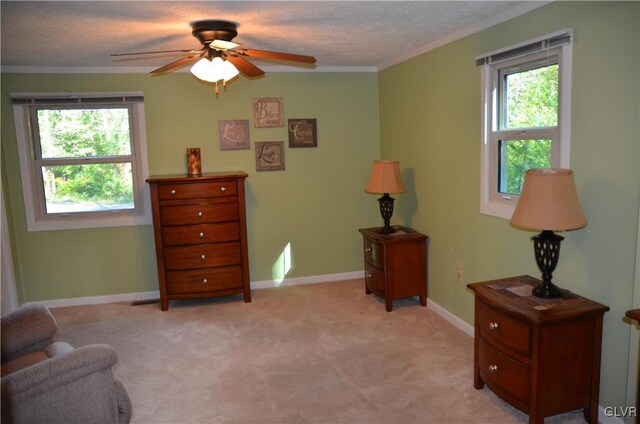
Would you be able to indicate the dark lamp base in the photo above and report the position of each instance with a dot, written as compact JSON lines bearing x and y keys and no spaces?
{"x":386,"y":211}
{"x":387,"y":230}
{"x":547,"y":290}
{"x":546,"y":246}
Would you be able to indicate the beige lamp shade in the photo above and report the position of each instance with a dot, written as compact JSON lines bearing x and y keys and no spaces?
{"x":549,"y":202}
{"x":385,"y":178}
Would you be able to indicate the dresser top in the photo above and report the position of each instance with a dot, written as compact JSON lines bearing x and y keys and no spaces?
{"x":513,"y":294}
{"x":209,"y":176}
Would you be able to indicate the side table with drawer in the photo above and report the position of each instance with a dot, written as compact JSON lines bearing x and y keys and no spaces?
{"x":540,"y":355}
{"x":200,"y":236}
{"x":395,"y":264}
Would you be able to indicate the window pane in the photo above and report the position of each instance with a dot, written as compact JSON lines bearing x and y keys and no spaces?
{"x":516,"y":157}
{"x":532,"y":98}
{"x":87,"y":188}
{"x":67,"y":133}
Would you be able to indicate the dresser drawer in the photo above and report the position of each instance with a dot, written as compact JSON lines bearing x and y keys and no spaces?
{"x":201,"y":233}
{"x":374,"y":252}
{"x":204,"y":280}
{"x":193,"y":191}
{"x":199,"y":213}
{"x":503,"y":374}
{"x":504,"y":330}
{"x":202,"y":256}
{"x":374,"y":278}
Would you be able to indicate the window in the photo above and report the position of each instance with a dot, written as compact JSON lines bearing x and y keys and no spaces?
{"x":82,"y":160}
{"x":526,"y":108}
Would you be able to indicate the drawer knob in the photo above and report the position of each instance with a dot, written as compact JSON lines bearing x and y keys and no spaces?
{"x":199,"y":214}
{"x":173,"y":192}
{"x":368,"y":249}
{"x":205,"y":281}
{"x":203,"y":257}
{"x":223,"y":189}
{"x":369,"y":275}
{"x":201,"y":235}
{"x":493,"y":368}
{"x":493,"y":325}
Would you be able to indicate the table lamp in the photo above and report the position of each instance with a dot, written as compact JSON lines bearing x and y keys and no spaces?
{"x":385,"y":179}
{"x":548,"y":203}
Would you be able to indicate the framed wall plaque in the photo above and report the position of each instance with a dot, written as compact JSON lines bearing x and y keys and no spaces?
{"x":234,"y":134}
{"x":269,"y":155}
{"x":303,"y":133}
{"x":268,"y":112}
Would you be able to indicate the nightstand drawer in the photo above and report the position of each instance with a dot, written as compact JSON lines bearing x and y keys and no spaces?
{"x":204,"y":280}
{"x":374,"y":279}
{"x":504,"y":330}
{"x":202,"y":233}
{"x":200,"y":213}
{"x":193,"y":191}
{"x":502,"y":374}
{"x":374,"y":252}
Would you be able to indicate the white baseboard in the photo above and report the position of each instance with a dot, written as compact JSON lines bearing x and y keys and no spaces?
{"x":129,"y":297}
{"x":448,"y":316}
{"x":96,"y":300}
{"x":312,"y":279}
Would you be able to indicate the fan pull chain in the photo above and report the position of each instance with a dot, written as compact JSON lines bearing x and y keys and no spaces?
{"x":216,"y":87}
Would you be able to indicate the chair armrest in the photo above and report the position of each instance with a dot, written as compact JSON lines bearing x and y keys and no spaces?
{"x":57,"y":371}
{"x":75,"y":387}
{"x":28,"y":329}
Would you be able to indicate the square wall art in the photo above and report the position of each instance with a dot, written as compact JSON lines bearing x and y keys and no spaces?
{"x":234,"y":134}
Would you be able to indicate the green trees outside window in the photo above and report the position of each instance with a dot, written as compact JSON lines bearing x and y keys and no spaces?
{"x":86,"y":159}
{"x":530,"y":100}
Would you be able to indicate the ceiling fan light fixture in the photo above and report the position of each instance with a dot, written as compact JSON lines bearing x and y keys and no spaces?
{"x":214,"y":70}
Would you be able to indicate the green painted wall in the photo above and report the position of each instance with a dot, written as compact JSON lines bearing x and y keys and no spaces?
{"x":316,"y":205}
{"x":430,"y":122}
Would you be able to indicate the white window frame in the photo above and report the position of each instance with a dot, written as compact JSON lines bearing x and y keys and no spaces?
{"x":34,"y":202}
{"x":492,"y":202}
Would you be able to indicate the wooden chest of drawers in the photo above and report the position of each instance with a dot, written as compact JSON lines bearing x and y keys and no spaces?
{"x":395,"y":265}
{"x":200,"y":235}
{"x":540,"y":355}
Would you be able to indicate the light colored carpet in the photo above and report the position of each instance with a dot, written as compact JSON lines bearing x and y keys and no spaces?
{"x":321,"y":353}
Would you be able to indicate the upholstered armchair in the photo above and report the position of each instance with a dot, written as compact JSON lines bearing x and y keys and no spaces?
{"x":48,"y":381}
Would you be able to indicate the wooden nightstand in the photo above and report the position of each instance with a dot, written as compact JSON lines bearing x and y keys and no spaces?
{"x":395,"y":265}
{"x":540,"y":355}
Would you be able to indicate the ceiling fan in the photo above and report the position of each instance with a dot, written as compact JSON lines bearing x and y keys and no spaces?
{"x":220,"y":58}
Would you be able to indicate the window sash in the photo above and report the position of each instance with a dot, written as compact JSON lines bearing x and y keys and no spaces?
{"x":500,"y":78}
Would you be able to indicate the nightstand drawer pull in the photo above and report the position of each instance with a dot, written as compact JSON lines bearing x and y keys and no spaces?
{"x":493,"y":325}
{"x":173,"y":192}
{"x":223,"y":189}
{"x":205,"y":281}
{"x":201,"y":235}
{"x":368,"y":250}
{"x":199,"y":214}
{"x":493,"y":368}
{"x":203,"y":257}
{"x":369,"y":275}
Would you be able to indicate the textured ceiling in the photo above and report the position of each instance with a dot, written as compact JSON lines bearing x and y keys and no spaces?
{"x":355,"y":34}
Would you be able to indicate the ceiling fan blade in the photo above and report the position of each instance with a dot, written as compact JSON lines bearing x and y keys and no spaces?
{"x":244,"y":66}
{"x":157,"y":52}
{"x":176,"y":64}
{"x":276,"y":55}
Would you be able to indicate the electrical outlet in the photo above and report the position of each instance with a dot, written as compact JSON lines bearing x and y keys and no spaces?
{"x":459,"y":273}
